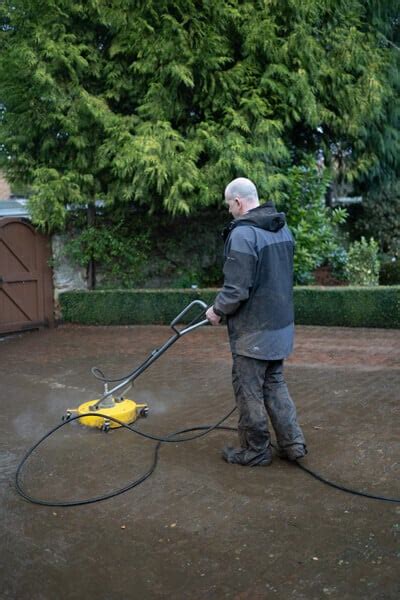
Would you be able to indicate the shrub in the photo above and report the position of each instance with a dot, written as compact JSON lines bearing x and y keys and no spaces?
{"x":120,"y":255}
{"x":341,"y":306}
{"x":314,"y":226}
{"x":348,"y":306}
{"x":389,"y":273}
{"x":363,"y":262}
{"x":123,"y":307}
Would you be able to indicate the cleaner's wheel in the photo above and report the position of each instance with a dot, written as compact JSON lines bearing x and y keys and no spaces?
{"x":66,"y":417}
{"x":144,"y":411}
{"x":106,"y":426}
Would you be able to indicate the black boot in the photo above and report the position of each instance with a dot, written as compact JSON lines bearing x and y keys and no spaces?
{"x":293,"y":452}
{"x":247,"y":457}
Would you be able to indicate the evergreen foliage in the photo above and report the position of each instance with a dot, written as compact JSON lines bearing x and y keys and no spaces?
{"x":163,"y":102}
{"x":363,"y":263}
{"x":348,"y":306}
{"x":379,"y":179}
{"x":380,"y":214}
{"x":149,"y":250}
{"x":314,"y":226}
{"x":389,"y":273}
{"x":313,"y":306}
{"x":120,"y":254}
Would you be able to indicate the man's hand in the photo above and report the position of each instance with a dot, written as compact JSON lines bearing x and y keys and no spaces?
{"x":212,"y":316}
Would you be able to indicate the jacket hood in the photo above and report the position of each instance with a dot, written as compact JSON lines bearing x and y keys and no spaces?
{"x":264,"y":216}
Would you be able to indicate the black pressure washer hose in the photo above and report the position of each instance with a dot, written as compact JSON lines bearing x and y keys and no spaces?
{"x":172,"y":438}
{"x":160,"y":440}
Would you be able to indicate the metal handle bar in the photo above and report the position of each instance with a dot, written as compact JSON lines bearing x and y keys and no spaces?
{"x":158,"y":351}
{"x":186,"y":310}
{"x":192,"y":327}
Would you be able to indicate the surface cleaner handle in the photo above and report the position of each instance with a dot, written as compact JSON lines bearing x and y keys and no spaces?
{"x":158,"y":352}
{"x":178,"y":318}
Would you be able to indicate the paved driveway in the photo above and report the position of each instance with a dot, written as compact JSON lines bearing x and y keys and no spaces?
{"x":199,"y":529}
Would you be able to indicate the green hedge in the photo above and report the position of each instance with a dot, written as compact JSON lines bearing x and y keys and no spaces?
{"x":335,"y":306}
{"x":348,"y":306}
{"x":123,"y":307}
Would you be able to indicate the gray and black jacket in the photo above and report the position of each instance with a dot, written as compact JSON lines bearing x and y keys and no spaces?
{"x":257,"y":295}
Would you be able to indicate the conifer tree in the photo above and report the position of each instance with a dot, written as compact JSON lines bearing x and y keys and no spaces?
{"x":162,"y":102}
{"x":379,"y":183}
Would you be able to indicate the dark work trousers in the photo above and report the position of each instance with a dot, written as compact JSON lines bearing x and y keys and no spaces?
{"x":261,"y":392}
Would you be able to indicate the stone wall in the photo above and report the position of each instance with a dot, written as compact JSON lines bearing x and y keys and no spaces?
{"x":4,"y":189}
{"x":66,"y":276}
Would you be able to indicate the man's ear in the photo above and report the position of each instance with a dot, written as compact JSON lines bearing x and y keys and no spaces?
{"x":239,"y":203}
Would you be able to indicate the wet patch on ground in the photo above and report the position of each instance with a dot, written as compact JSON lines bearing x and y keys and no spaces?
{"x":199,"y":529}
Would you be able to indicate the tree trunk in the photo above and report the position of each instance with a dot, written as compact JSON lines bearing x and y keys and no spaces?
{"x":91,"y":267}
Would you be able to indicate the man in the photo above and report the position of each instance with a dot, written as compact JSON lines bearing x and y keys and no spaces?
{"x":257,"y":301}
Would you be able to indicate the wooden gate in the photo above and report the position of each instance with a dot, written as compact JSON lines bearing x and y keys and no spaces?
{"x":26,"y":289}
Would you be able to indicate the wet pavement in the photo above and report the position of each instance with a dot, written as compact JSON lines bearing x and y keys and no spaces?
{"x":199,"y":529}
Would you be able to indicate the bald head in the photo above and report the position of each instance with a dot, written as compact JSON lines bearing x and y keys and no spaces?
{"x":241,"y":196}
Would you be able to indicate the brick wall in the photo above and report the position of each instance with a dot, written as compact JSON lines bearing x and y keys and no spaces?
{"x":4,"y":189}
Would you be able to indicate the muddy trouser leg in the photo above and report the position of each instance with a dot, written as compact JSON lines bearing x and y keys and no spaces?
{"x":248,"y":375}
{"x":282,"y":411}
